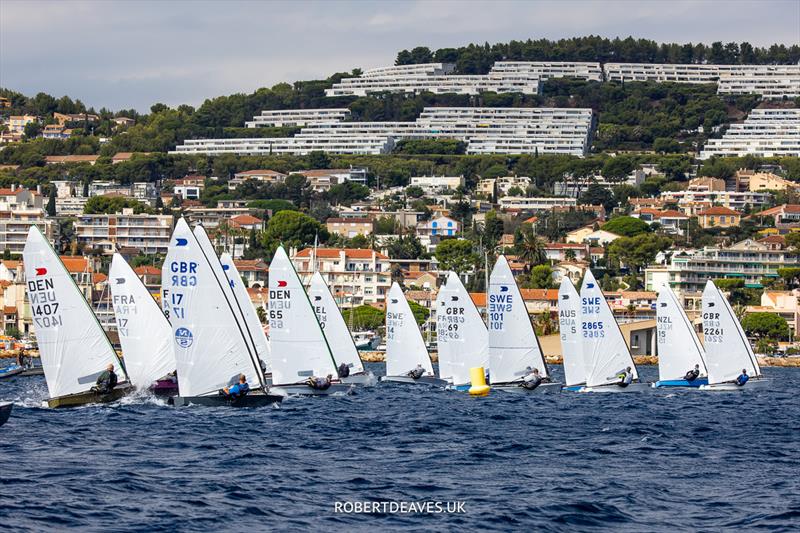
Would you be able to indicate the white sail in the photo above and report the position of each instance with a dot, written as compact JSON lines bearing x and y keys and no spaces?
{"x":73,"y":347}
{"x":603,"y":344}
{"x":513,"y":345}
{"x":144,"y":331}
{"x":727,"y":349}
{"x":679,"y":350}
{"x":210,"y":347}
{"x":333,"y":325}
{"x":405,"y":348}
{"x":461,"y":332}
{"x":569,"y":326}
{"x":251,"y":321}
{"x":299,"y":348}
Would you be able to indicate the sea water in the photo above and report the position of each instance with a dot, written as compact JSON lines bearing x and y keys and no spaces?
{"x":408,"y":457}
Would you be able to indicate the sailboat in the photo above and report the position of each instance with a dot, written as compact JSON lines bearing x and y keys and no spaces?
{"x":144,"y":331}
{"x":569,"y":327}
{"x":73,"y":347}
{"x":250,"y":317}
{"x":727,"y":349}
{"x":679,"y":350}
{"x":211,"y":350}
{"x":513,"y":345}
{"x":604,"y":346}
{"x":405,"y":347}
{"x":333,"y":326}
{"x":461,"y":334}
{"x":299,"y":348}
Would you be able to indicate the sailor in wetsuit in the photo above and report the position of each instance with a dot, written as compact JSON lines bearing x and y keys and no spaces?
{"x":240,"y":389}
{"x":320,"y":383}
{"x":532,"y":379}
{"x":417,"y":373}
{"x":625,"y":377}
{"x":106,"y":381}
{"x":343,"y":370}
{"x":743,"y":378}
{"x":693,"y":374}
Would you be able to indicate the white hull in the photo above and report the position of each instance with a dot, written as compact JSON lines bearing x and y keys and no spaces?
{"x":363,"y":379}
{"x":424,"y":380}
{"x":752,"y":384}
{"x":544,"y":388}
{"x":633,"y":387}
{"x":304,"y":390}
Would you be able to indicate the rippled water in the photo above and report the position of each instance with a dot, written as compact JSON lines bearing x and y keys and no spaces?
{"x":656,"y":461}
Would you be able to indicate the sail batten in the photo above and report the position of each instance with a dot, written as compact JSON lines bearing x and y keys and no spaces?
{"x":73,"y":347}
{"x":405,"y":347}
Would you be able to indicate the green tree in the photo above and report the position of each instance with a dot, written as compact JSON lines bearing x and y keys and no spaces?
{"x":51,"y":203}
{"x":598,"y":195}
{"x":493,"y":227}
{"x":114,"y":204}
{"x":626,"y":226}
{"x":639,"y":251}
{"x":415,"y":191}
{"x":293,"y":229}
{"x":364,"y":317}
{"x":790,"y":275}
{"x":539,"y":277}
{"x":455,"y":255}
{"x":766,"y":326}
{"x":793,"y":241}
{"x":32,"y":130}
{"x":421,"y":314}
{"x":530,"y":248}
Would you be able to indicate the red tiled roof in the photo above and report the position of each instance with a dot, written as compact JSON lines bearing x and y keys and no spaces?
{"x":246,"y":220}
{"x":259,"y":173}
{"x":147,"y":270}
{"x":250,"y":265}
{"x":11,"y":264}
{"x":355,"y":253}
{"x":99,"y":278}
{"x":9,"y":310}
{"x":719,"y":210}
{"x":75,"y":264}
{"x":776,"y":239}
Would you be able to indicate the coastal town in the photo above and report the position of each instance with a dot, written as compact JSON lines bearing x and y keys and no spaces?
{"x":370,"y":202}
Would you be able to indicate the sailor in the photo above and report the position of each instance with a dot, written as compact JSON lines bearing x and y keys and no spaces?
{"x":240,"y":389}
{"x":106,"y":381}
{"x":743,"y":377}
{"x":417,"y":373}
{"x":693,"y":374}
{"x":343,"y":370}
{"x":532,"y":378}
{"x":625,"y":377}
{"x":320,"y":383}
{"x":22,"y":359}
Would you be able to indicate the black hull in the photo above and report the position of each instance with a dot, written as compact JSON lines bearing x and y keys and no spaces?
{"x":89,"y":397}
{"x":5,"y":411}
{"x":33,"y":371}
{"x":250,"y":400}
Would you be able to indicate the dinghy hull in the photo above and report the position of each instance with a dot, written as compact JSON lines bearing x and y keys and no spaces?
{"x":301,"y":389}
{"x":253,"y":399}
{"x":11,"y":371}
{"x":32,"y":371}
{"x":633,"y":387}
{"x":165,"y":387}
{"x":89,"y":397}
{"x":680,"y":383}
{"x":544,"y":388}
{"x":424,"y":380}
{"x":5,"y":411}
{"x":364,"y":379}
{"x":752,"y":384}
{"x":573,"y":388}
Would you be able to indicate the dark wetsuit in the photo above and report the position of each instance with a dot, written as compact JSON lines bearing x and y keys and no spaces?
{"x":106,"y":382}
{"x":416,"y":373}
{"x":691,"y":375}
{"x":319,"y":383}
{"x":343,"y":370}
{"x":531,"y":382}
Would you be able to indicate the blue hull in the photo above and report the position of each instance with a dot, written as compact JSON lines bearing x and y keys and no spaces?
{"x":681,"y":383}
{"x":573,"y":388}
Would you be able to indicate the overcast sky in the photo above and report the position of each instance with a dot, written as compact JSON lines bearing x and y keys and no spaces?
{"x":122,"y":53}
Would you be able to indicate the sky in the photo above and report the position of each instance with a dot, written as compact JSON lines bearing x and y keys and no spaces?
{"x":133,"y":53}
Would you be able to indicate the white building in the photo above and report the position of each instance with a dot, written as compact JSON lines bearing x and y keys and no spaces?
{"x":522,"y":203}
{"x":148,"y":233}
{"x":439,"y":227}
{"x":689,"y":201}
{"x":552,"y":69}
{"x":297,"y":117}
{"x":764,"y":133}
{"x":436,"y":184}
{"x":355,"y":276}
{"x":21,"y":208}
{"x":263,"y":176}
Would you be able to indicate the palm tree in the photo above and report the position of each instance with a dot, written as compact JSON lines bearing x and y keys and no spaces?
{"x":531,"y":249}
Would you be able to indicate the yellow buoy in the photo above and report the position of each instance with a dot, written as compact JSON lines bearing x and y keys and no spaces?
{"x":478,"y":378}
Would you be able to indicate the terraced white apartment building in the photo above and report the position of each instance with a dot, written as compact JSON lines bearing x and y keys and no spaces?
{"x":297,"y":117}
{"x":764,"y":133}
{"x":591,"y":71}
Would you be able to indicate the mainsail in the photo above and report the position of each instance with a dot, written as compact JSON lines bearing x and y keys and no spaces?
{"x":299,"y":348}
{"x":462,"y":336}
{"x":727,"y":349}
{"x":569,"y":326}
{"x":333,"y":325}
{"x":679,"y":350}
{"x":603,"y":344}
{"x":144,"y":331}
{"x":73,"y":347}
{"x":251,"y":321}
{"x":210,"y":346}
{"x":405,"y":347}
{"x":513,"y":345}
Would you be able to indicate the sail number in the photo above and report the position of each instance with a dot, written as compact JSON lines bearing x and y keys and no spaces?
{"x":499,"y":305}
{"x":44,"y":307}
{"x":593,"y":330}
{"x":712,"y":328}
